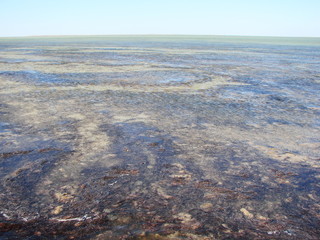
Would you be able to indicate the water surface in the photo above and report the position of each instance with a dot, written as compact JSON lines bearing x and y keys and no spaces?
{"x":159,"y":137}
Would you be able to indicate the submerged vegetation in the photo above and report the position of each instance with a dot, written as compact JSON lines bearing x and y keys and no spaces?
{"x":155,"y":138}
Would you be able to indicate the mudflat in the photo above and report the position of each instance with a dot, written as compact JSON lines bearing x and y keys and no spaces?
{"x":159,"y":137}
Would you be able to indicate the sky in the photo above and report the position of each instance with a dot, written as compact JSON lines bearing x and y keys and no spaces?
{"x":295,"y":18}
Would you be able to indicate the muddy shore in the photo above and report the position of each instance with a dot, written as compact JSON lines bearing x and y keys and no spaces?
{"x":106,"y":138}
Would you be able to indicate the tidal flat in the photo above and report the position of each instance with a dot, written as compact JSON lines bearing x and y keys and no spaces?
{"x":159,"y":137}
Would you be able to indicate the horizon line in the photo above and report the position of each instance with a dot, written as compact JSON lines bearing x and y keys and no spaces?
{"x":152,"y":34}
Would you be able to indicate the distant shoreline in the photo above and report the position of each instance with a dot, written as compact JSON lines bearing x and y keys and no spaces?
{"x":153,"y":35}
{"x":272,"y":40}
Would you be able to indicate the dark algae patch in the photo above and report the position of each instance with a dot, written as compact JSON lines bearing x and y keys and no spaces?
{"x":159,"y":138}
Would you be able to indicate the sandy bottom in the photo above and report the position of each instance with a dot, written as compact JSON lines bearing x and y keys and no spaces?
{"x":126,"y":143}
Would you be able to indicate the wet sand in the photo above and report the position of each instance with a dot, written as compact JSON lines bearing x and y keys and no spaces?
{"x":159,"y":138}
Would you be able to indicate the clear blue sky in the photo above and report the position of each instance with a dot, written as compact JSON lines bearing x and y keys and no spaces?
{"x":213,"y":17}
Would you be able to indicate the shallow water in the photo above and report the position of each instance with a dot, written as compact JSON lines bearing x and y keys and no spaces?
{"x":159,"y":137}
